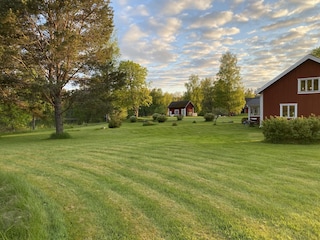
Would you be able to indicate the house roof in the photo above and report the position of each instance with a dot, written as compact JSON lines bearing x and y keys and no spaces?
{"x":253,"y":101}
{"x":302,"y":60}
{"x":179,"y":104}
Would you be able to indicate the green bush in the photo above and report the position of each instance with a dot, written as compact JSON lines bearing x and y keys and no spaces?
{"x":179,"y":117}
{"x":114,"y":123}
{"x":162,"y":118}
{"x":148,"y":123}
{"x":63,"y":135}
{"x":298,"y":130}
{"x":155,"y":116}
{"x":209,"y":117}
{"x":133,"y":119}
{"x":174,"y":124}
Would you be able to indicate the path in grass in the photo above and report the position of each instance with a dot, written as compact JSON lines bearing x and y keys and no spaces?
{"x":191,"y":181}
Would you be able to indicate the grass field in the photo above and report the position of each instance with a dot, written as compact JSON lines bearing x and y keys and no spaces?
{"x":191,"y":181}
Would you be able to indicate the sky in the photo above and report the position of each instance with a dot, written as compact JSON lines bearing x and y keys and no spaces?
{"x":174,"y":39}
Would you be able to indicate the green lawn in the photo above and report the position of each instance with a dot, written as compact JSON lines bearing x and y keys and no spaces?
{"x":191,"y":181}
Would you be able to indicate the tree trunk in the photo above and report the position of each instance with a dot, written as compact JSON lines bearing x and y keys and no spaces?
{"x":136,"y":111}
{"x":58,"y":115}
{"x":33,"y":122}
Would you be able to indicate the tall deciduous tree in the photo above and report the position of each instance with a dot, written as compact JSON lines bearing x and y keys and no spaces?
{"x":228,"y":89}
{"x":135,"y":93}
{"x":53,"y":43}
{"x":194,"y":92}
{"x":207,"y":91}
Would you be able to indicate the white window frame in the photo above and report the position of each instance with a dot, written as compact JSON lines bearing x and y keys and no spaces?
{"x":306,"y":90}
{"x":295,"y":105}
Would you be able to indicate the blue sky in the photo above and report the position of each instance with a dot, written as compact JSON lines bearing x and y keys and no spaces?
{"x":176,"y":38}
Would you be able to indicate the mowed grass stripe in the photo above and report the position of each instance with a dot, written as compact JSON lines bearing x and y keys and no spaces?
{"x":168,"y":214}
{"x":88,"y":201}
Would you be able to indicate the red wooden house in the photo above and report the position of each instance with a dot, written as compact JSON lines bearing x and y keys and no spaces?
{"x":183,"y":108}
{"x":293,"y":93}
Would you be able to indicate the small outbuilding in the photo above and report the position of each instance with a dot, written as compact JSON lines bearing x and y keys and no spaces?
{"x":253,"y":105}
{"x":182,"y":108}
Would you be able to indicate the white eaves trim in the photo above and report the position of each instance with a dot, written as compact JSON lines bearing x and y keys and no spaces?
{"x":302,"y":60}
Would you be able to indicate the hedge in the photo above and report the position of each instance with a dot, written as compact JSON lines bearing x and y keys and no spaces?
{"x":298,"y":130}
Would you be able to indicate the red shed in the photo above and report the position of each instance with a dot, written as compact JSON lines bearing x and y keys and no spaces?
{"x":184,"y":108}
{"x":293,"y":93}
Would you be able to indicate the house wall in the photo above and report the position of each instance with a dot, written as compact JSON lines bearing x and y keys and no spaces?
{"x":285,"y":90}
{"x":189,"y":110}
{"x":176,"y":111}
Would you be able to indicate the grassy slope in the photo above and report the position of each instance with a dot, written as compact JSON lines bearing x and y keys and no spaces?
{"x":191,"y":181}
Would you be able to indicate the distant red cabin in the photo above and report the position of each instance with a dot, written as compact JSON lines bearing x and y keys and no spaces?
{"x":183,"y":108}
{"x":294,"y":93}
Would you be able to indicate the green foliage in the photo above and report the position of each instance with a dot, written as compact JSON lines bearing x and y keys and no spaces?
{"x":316,"y":52}
{"x":96,"y":97}
{"x":228,"y":92}
{"x":194,"y":92}
{"x":208,"y":100}
{"x":160,"y":102}
{"x":135,"y":93}
{"x":63,"y":135}
{"x":13,"y":117}
{"x":155,"y":116}
{"x":209,"y":117}
{"x":298,"y":130}
{"x":179,"y":117}
{"x":162,"y":118}
{"x":115,"y":122}
{"x":133,"y":119}
{"x":174,"y":124}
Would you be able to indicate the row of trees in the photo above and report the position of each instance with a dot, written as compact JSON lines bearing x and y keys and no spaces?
{"x":105,"y":93}
{"x":223,"y":95}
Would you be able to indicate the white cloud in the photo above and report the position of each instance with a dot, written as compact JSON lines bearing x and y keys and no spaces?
{"x":166,"y":29}
{"x":257,"y":9}
{"x":280,"y":13}
{"x":213,"y":19}
{"x":174,"y":7}
{"x":301,"y":6}
{"x":142,"y":10}
{"x":241,"y":18}
{"x":219,"y":33}
{"x":133,"y":34}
